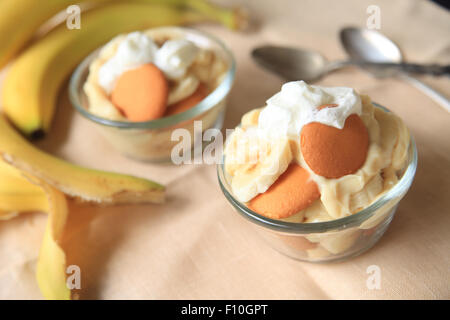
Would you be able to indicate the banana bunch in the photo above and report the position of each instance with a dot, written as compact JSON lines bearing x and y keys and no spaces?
{"x":31,"y":15}
{"x":32,"y":84}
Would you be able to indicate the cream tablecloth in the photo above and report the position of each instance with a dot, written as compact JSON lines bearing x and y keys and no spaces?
{"x":195,"y":246}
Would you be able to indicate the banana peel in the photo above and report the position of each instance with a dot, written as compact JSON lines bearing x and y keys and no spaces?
{"x":78,"y":182}
{"x":32,"y":180}
{"x":51,"y":265}
{"x":23,"y":190}
{"x":18,"y":194}
{"x":7,"y":214}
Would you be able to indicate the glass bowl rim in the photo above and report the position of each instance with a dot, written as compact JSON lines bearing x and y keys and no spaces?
{"x":217,"y":95}
{"x":338,"y":224}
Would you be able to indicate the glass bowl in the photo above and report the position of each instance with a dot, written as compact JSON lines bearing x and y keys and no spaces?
{"x":151,"y":140}
{"x":331,"y":240}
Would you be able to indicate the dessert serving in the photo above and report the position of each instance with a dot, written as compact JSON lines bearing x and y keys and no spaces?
{"x":143,"y":85}
{"x":312,"y":158}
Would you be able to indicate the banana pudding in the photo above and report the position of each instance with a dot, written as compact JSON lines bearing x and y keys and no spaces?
{"x":142,"y":86}
{"x":314,"y":155}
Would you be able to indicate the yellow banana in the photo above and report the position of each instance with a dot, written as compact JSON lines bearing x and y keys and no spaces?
{"x":32,"y":14}
{"x":76,"y":181}
{"x":234,"y":19}
{"x":17,"y":194}
{"x":20,"y":19}
{"x":14,"y":203}
{"x":32,"y":84}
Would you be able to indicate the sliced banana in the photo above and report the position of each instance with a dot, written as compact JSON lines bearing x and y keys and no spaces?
{"x":250,"y":118}
{"x":99,"y":103}
{"x":183,"y":89}
{"x":341,"y":241}
{"x":360,"y":199}
{"x":231,"y":151}
{"x":255,"y":163}
{"x":242,"y":149}
{"x":238,"y":145}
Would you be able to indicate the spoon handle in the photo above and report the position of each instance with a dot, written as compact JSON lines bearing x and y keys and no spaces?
{"x":432,"y":69}
{"x":432,"y":93}
{"x":385,"y":69}
{"x":412,"y":68}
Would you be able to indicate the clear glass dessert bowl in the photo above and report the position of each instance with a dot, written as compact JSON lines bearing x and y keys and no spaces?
{"x":330,"y":240}
{"x":152,"y":140}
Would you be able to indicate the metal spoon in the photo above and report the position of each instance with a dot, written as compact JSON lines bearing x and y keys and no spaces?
{"x":300,"y":64}
{"x":372,"y":46}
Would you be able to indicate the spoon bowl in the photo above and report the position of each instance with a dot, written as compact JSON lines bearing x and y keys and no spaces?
{"x":372,"y":46}
{"x":369,"y":45}
{"x":308,"y":65}
{"x":291,"y":63}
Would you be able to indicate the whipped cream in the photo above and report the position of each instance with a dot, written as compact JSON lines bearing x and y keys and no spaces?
{"x":296,"y":105}
{"x":136,"y":49}
{"x":175,"y":56}
{"x":133,"y":51}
